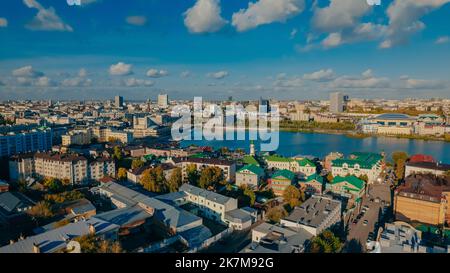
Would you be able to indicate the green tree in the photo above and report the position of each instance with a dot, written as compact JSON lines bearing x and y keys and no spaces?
{"x":117,"y":155}
{"x":53,"y":184}
{"x":251,"y":195}
{"x":364,"y":177}
{"x":92,"y":244}
{"x":275,"y":214}
{"x":175,"y":180}
{"x":122,"y":174}
{"x":292,"y":195}
{"x":192,"y":174}
{"x":137,"y":163}
{"x":326,"y":242}
{"x":211,"y":176}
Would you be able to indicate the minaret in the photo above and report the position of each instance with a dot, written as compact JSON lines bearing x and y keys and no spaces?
{"x":252,"y":148}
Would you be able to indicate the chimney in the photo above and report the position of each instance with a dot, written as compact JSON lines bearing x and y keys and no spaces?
{"x":91,"y":229}
{"x":36,"y":248}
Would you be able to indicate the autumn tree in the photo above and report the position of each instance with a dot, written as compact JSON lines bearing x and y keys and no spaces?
{"x":192,"y":174}
{"x":175,"y":180}
{"x":211,"y":176}
{"x":275,"y":214}
{"x":42,"y":210}
{"x":330,"y":177}
{"x":122,"y":174}
{"x":117,"y":154}
{"x":53,"y":184}
{"x":292,"y":195}
{"x":137,"y":163}
{"x":326,"y":242}
{"x":154,"y":180}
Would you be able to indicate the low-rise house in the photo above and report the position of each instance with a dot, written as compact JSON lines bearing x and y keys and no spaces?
{"x":434,"y":168}
{"x":280,"y":180}
{"x":312,"y":185}
{"x":358,"y":164}
{"x":348,"y":186}
{"x":228,"y":167}
{"x":315,"y":215}
{"x":250,"y":175}
{"x":13,"y":205}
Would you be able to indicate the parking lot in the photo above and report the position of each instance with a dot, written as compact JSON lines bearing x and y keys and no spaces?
{"x":377,"y":199}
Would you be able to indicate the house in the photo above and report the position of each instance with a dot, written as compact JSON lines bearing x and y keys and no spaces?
{"x":13,"y":206}
{"x":228,"y":167}
{"x":303,"y":166}
{"x":135,"y":175}
{"x":434,"y":168}
{"x":315,"y":215}
{"x":348,"y":186}
{"x":358,"y":164}
{"x":4,"y":186}
{"x":250,"y":175}
{"x":312,"y":185}
{"x":280,"y":180}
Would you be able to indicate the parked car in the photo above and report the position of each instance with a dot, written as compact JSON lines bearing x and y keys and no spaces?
{"x":365,"y":222}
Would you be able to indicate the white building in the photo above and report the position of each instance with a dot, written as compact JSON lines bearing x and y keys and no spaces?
{"x":163,"y":100}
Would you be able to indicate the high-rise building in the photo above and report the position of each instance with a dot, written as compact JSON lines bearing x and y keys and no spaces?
{"x":163,"y":100}
{"x":336,"y":102}
{"x":31,"y":141}
{"x":118,"y":101}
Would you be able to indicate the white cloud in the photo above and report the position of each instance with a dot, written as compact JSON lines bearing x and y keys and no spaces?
{"x":218,"y":75}
{"x":322,"y":75}
{"x":404,"y":20}
{"x":82,"y":73}
{"x":27,"y":72}
{"x":362,"y":32}
{"x":76,"y":82}
{"x":422,"y":84}
{"x":283,"y":82}
{"x":133,"y":82}
{"x":366,"y":80}
{"x":266,"y":12}
{"x":3,"y":22}
{"x":136,"y":20}
{"x":45,"y":19}
{"x":339,"y":15}
{"x":293,"y":33}
{"x":120,"y":69}
{"x":204,"y":17}
{"x":44,"y":82}
{"x":442,"y":40}
{"x":185,"y":74}
{"x":332,"y":40}
{"x":24,"y":81}
{"x":155,"y":73}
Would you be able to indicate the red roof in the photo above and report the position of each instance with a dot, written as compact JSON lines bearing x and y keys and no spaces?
{"x":421,"y":158}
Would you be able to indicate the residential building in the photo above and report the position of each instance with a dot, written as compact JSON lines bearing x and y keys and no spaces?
{"x":280,"y":180}
{"x":312,"y":185}
{"x":423,"y":198}
{"x":79,"y":137}
{"x":103,"y":134}
{"x":358,"y":164}
{"x":69,"y":167}
{"x":228,"y":167}
{"x":118,"y":101}
{"x":303,"y":166}
{"x":21,"y":166}
{"x":329,"y":160}
{"x":163,"y":100}
{"x":101,"y":167}
{"x":25,"y":142}
{"x":336,"y":102}
{"x":348,"y":186}
{"x":434,"y":168}
{"x":249,"y":175}
{"x":315,"y":215}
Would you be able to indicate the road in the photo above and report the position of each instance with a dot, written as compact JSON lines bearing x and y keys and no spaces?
{"x":376,"y":191}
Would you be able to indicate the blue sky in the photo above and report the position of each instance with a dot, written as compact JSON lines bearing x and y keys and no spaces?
{"x":286,"y":49}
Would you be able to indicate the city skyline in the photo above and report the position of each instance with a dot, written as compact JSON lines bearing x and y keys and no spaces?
{"x":289,"y":49}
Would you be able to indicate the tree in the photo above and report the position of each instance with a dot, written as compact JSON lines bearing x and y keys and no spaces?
{"x":364,"y":177}
{"x":53,"y":184}
{"x":292,"y":195}
{"x":192,"y":174}
{"x":122,"y":174}
{"x":211,"y":176}
{"x":399,"y":155}
{"x":447,"y":173}
{"x":330,"y":177}
{"x":92,"y":244}
{"x":137,"y":163}
{"x":117,"y":155}
{"x":326,"y":242}
{"x":154,"y":180}
{"x":276,"y":213}
{"x":251,"y":195}
{"x":42,"y":210}
{"x":400,"y":169}
{"x":175,"y":180}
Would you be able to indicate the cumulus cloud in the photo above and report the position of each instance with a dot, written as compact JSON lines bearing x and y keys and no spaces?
{"x":133,"y":82}
{"x":136,"y":20}
{"x":404,"y":19}
{"x":362,"y":32}
{"x":82,"y":73}
{"x":293,"y":33}
{"x":76,"y":82}
{"x":44,"y":82}
{"x":45,"y":19}
{"x":204,"y":17}
{"x":27,"y":72}
{"x":120,"y":69}
{"x":442,"y":40}
{"x":185,"y":74}
{"x":3,"y":22}
{"x":218,"y":75}
{"x":266,"y":12}
{"x":366,"y":80}
{"x":155,"y":73}
{"x":422,"y":84}
{"x":283,"y":82}
{"x":24,"y":81}
{"x":322,"y":75}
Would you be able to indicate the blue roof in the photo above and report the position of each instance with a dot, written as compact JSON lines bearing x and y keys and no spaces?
{"x":393,"y":116}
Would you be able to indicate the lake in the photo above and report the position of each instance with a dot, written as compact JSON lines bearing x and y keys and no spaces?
{"x":319,"y":145}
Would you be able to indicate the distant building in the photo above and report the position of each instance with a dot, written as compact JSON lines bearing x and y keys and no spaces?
{"x":280,"y":180}
{"x":21,"y":166}
{"x":163,"y":100}
{"x":315,"y":215}
{"x":228,"y":167}
{"x":336,"y":102}
{"x":104,"y":134}
{"x":29,"y":141}
{"x":393,"y":124}
{"x":249,"y":175}
{"x":304,"y":166}
{"x":434,"y":168}
{"x":118,"y":101}
{"x":80,"y":137}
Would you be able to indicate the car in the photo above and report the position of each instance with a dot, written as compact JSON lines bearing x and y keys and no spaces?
{"x":366,"y":207}
{"x":365,"y":222}
{"x":371,"y":199}
{"x":355,"y":222}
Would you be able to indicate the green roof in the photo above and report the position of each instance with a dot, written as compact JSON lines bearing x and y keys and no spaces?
{"x":364,"y":160}
{"x":284,"y":173}
{"x":278,"y":158}
{"x":355,"y":181}
{"x":197,"y":155}
{"x":306,"y":162}
{"x":248,"y":159}
{"x":252,"y":168}
{"x":314,"y":176}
